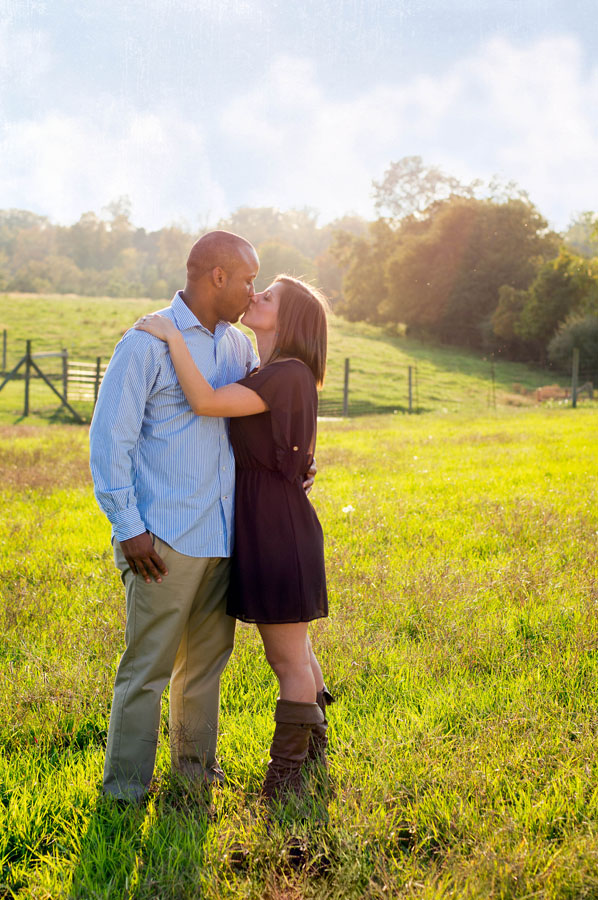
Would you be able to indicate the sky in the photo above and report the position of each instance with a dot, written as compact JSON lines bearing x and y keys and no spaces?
{"x":193,"y":108}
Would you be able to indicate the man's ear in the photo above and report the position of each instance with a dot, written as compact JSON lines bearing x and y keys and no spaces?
{"x":218,"y":276}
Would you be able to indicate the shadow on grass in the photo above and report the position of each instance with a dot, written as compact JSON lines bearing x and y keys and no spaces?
{"x":148,"y":851}
{"x":111,"y":851}
{"x":367,"y":408}
{"x":56,"y":416}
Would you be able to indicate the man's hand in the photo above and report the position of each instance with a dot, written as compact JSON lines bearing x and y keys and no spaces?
{"x":143,"y":559}
{"x":310,"y":477}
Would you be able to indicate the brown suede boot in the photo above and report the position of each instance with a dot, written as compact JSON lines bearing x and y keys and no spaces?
{"x":294,"y":723}
{"x":318,"y":740}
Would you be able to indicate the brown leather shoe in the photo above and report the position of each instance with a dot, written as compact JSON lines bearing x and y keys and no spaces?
{"x":318,"y":740}
{"x":294,"y":723}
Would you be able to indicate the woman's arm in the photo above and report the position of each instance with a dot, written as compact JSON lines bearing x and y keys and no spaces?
{"x":232,"y":400}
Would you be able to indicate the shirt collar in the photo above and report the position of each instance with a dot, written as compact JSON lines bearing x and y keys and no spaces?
{"x":185,"y":319}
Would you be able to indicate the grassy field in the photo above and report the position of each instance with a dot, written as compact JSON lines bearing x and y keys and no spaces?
{"x":444,"y":379}
{"x":462,"y":648}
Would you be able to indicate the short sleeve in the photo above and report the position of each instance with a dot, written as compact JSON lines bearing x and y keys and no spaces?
{"x":289,"y":389}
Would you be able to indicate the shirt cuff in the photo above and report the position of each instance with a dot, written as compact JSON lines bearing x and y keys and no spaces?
{"x":127,"y":524}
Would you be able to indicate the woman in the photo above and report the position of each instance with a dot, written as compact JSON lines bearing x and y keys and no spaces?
{"x":278,"y":578}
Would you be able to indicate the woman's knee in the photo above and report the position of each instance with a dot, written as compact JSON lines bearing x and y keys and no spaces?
{"x":289,"y":668}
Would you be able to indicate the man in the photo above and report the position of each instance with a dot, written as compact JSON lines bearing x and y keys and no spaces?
{"x":165,"y":479}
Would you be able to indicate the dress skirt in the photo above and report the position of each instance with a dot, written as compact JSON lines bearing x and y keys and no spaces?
{"x":278,"y":574}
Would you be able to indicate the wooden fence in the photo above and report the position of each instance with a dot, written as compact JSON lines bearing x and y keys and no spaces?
{"x":76,"y":380}
{"x":84,"y":379}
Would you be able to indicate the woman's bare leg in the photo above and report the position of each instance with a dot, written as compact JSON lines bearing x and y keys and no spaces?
{"x":288,"y":652}
{"x":315,"y":667}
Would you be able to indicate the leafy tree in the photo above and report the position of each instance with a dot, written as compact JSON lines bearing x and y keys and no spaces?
{"x":409,"y":188}
{"x":15,"y":221}
{"x":296,"y":227}
{"x":426,"y":266}
{"x":581,"y":236}
{"x":441,"y":274}
{"x":119,"y":211}
{"x":277,"y":258}
{"x":579,"y":331}
{"x":505,"y":317}
{"x":109,"y":255}
{"x":87,"y":242}
{"x":363,"y":258}
{"x":158,"y":289}
{"x":4,"y":277}
{"x":329,"y":276}
{"x":33,"y":243}
{"x":498,"y":244}
{"x":351,"y":223}
{"x":563,"y":285}
{"x":169,"y":249}
{"x":51,"y":274}
{"x":330,"y":273}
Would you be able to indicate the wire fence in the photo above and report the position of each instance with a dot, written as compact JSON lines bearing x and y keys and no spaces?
{"x":424,"y":386}
{"x":354,"y":387}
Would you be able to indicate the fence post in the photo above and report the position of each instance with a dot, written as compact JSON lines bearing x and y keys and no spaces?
{"x":27,"y":377}
{"x":410,"y":388}
{"x":65,"y":372}
{"x":346,"y":389}
{"x":574,"y":377}
{"x":4,"y":343}
{"x":96,"y":386}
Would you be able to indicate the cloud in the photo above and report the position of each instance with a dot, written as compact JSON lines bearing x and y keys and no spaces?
{"x":523,"y":111}
{"x":526,"y":113}
{"x":64,"y":165}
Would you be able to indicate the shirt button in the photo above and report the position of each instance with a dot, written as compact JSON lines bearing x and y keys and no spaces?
{"x":295,"y":448}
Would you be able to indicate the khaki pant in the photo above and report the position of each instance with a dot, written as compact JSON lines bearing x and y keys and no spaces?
{"x":176,"y":631}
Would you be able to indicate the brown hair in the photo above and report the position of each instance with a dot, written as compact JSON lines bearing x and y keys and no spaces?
{"x":302,"y":324}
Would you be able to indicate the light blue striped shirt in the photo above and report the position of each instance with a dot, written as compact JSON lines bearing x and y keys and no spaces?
{"x":157,"y":466}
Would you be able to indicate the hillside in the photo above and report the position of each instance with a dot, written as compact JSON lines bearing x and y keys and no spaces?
{"x":443,"y":379}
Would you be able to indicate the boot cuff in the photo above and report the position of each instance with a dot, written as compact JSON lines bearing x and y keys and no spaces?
{"x":292,"y":713}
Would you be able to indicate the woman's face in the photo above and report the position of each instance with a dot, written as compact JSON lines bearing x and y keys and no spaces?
{"x":262,"y":313}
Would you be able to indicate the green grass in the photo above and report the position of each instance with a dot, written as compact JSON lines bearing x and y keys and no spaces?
{"x":444,"y":379}
{"x":462,"y":647}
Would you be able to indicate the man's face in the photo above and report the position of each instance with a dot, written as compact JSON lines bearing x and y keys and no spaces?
{"x":237,"y":294}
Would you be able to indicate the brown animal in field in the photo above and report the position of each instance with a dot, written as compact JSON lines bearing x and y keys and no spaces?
{"x":551,"y":392}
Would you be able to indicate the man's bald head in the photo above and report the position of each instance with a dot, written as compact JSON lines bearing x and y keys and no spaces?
{"x":221,"y":270}
{"x":217,"y":248}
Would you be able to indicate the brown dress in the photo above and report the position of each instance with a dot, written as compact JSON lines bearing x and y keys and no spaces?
{"x":278,"y":562}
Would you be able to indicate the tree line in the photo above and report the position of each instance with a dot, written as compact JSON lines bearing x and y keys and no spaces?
{"x":472,"y":265}
{"x":106,"y":255}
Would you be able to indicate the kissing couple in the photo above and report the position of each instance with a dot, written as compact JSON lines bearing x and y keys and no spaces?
{"x":202,"y":456}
